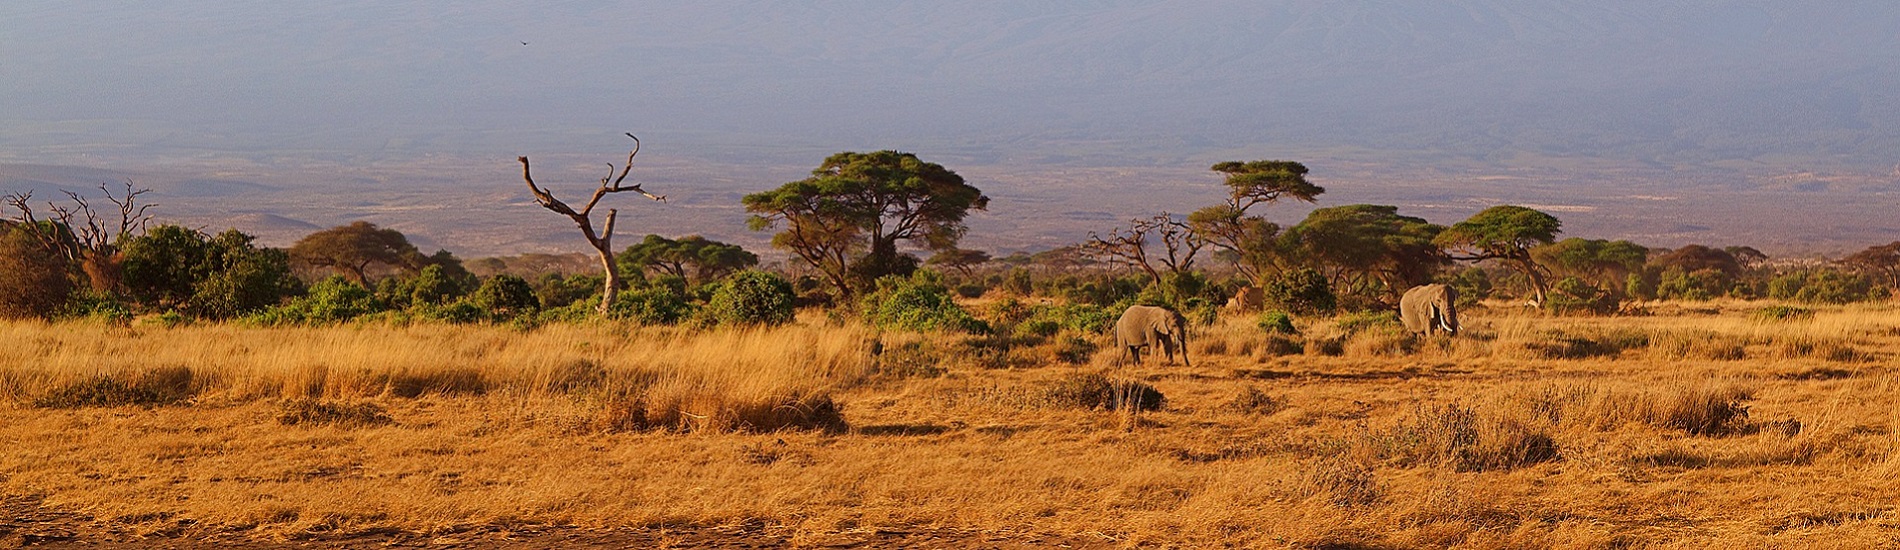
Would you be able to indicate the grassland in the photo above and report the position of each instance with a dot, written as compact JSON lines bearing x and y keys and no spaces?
{"x":1726,"y":424}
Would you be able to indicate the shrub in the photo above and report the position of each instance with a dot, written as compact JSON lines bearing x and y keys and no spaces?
{"x":334,"y":299}
{"x":655,"y":305}
{"x":33,"y":280}
{"x":1572,"y":295}
{"x":918,"y":302}
{"x":433,"y":286}
{"x":162,"y":386}
{"x":99,"y":306}
{"x":1303,"y":292}
{"x":1095,"y":391}
{"x":460,"y":313}
{"x":1369,"y":320}
{"x":753,"y":298}
{"x":1276,"y":322}
{"x":505,"y":296}
{"x":1783,"y":313}
{"x":314,"y":412}
{"x":1824,"y":286}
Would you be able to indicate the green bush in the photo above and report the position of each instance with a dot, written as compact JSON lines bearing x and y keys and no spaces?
{"x":1276,"y":322}
{"x":918,"y":302}
{"x":97,"y":306}
{"x":656,"y":305}
{"x":753,"y":298}
{"x":1783,"y":313}
{"x":1303,"y":292}
{"x":331,"y":300}
{"x":1823,"y":286}
{"x":505,"y":296}
{"x":1572,"y":295}
{"x":1368,"y":320}
{"x":460,"y":313}
{"x":433,"y":286}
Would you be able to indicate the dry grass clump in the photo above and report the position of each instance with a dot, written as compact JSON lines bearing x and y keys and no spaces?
{"x":1458,"y":436}
{"x":1339,"y":480}
{"x":1706,"y":408}
{"x":1253,"y":401}
{"x":690,"y":412}
{"x":1090,"y":390}
{"x":316,"y":412}
{"x":161,"y":386}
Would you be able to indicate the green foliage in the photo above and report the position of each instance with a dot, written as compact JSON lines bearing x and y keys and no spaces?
{"x":1598,"y":262}
{"x":433,"y":286}
{"x":1019,"y":282}
{"x":98,"y":306}
{"x":918,"y":302}
{"x":1573,"y":295}
{"x":557,"y":291}
{"x":351,"y":249}
{"x":460,"y":313}
{"x":1276,"y":322}
{"x":691,"y":256}
{"x":1783,"y":313}
{"x":1639,"y":286}
{"x":34,"y":280}
{"x":1697,"y":286}
{"x":1823,"y":286}
{"x":1302,"y":291}
{"x":332,"y":300}
{"x":753,"y":298}
{"x":1502,"y":231}
{"x":505,"y":297}
{"x":1369,"y":320}
{"x":654,"y":305}
{"x":218,"y":277}
{"x":1473,"y":284}
{"x":1371,"y":244}
{"x":847,"y":219}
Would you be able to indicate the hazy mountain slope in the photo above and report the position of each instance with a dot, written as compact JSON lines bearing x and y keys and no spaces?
{"x":1090,"y":82}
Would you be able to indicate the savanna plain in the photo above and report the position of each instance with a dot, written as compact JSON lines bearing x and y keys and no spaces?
{"x":1728,"y":423}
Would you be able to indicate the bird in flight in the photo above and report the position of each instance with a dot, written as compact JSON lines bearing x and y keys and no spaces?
{"x":524,"y":43}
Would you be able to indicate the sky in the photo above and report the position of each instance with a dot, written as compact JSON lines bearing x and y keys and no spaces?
{"x":1692,"y":83}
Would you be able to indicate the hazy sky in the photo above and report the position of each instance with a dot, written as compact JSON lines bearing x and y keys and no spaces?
{"x":1100,"y":82}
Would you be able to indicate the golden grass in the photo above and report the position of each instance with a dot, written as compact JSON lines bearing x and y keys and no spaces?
{"x":1637,"y":432}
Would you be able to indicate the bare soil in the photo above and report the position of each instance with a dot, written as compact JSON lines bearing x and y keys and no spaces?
{"x":26,"y":523}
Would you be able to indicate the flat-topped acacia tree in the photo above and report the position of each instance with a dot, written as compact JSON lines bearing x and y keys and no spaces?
{"x":601,"y":240}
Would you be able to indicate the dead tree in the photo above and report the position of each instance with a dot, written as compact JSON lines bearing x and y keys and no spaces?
{"x":1130,"y":246}
{"x":602,"y":241}
{"x":79,"y":233}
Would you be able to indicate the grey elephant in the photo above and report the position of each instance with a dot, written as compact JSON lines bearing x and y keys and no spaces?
{"x":1151,"y":327}
{"x":1430,"y":308}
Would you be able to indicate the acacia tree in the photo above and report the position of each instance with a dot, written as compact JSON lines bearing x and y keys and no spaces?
{"x":690,"y":256}
{"x":1362,"y":247}
{"x":847,"y":220}
{"x":351,"y":249}
{"x":960,"y":259}
{"x":1250,"y":238}
{"x":1883,"y":260}
{"x":1601,"y":262}
{"x":1506,"y":233}
{"x":601,"y":241}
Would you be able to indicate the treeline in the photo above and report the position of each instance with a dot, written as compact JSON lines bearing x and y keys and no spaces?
{"x":858,"y":231}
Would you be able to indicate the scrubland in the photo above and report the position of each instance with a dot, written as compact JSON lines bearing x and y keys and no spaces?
{"x":1720,"y":424}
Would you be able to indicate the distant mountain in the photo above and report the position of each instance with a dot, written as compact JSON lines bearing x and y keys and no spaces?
{"x":1710,"y":83}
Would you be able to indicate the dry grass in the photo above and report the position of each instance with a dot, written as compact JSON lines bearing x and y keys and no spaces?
{"x":1705,"y":425}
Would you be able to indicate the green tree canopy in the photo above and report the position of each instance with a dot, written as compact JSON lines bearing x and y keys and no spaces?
{"x":1506,"y":233}
{"x":849,"y":217}
{"x":1363,"y":247}
{"x":691,"y":256}
{"x":351,"y":249}
{"x":216,"y":277}
{"x":1600,"y":262}
{"x":1250,"y":239}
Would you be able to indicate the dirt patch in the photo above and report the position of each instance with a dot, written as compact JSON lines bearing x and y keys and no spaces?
{"x":25,"y":523}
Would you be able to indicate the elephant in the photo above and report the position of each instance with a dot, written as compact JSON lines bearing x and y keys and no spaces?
{"x":1146,"y":326}
{"x":1429,"y":308}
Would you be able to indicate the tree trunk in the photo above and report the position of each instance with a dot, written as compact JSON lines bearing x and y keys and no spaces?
{"x":612,"y":287}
